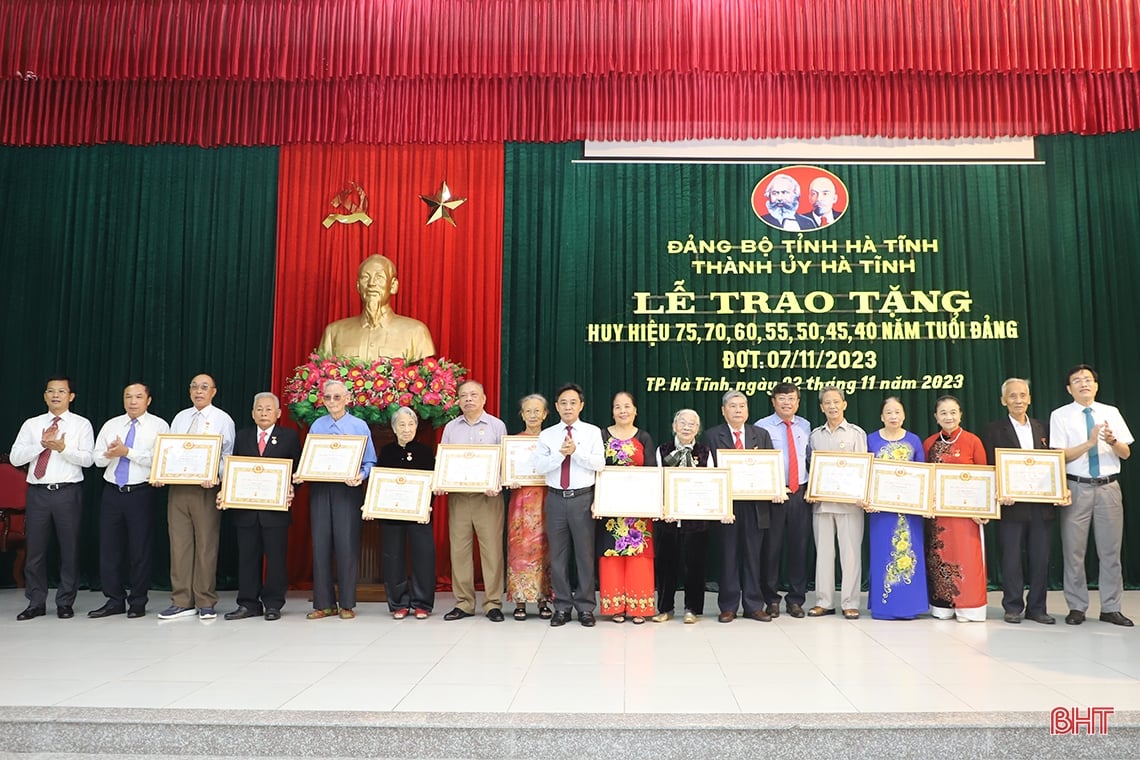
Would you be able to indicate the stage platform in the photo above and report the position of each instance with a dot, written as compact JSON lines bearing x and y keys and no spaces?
{"x":376,"y":687}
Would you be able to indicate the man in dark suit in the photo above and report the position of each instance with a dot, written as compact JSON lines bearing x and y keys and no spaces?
{"x":783,"y":203}
{"x":263,"y":532}
{"x":741,"y":540}
{"x":1023,"y":526}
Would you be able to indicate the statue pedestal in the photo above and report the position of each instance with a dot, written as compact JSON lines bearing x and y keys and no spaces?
{"x":370,"y":580}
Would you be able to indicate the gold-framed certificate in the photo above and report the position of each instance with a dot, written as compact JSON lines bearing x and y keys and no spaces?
{"x":754,"y":473}
{"x":697,"y":493}
{"x":517,"y":467}
{"x":181,"y":459}
{"x":965,"y":490}
{"x":901,"y":486}
{"x":398,"y":494}
{"x":1031,"y":474}
{"x":257,"y":483}
{"x":838,"y":476}
{"x":628,"y":492}
{"x":332,"y":458}
{"x":462,"y":468}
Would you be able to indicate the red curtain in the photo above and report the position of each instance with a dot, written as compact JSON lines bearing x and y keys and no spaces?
{"x":561,"y":109}
{"x":281,"y":72}
{"x":450,"y":277}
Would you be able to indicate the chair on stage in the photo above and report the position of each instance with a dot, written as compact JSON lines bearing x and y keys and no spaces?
{"x":13,"y":496}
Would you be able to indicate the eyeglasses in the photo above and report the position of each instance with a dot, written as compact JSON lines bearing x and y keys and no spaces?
{"x":200,"y":387}
{"x":333,"y":396}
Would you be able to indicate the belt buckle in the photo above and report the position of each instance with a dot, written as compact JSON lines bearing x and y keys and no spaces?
{"x":125,"y":489}
{"x":54,"y":486}
{"x":568,"y":493}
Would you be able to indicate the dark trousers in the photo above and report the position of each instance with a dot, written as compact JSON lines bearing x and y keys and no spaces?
{"x":62,"y":510}
{"x":1033,"y":538}
{"x":680,"y":551}
{"x":334,"y":511}
{"x":740,"y":544}
{"x":126,"y":539}
{"x":570,"y":530}
{"x":399,"y":539}
{"x":254,"y":542}
{"x":789,"y":531}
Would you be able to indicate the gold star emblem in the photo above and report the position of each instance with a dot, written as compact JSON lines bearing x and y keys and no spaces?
{"x":442,"y":204}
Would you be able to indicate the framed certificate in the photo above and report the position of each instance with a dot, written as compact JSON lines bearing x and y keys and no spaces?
{"x":698,"y":493}
{"x":467,"y":469}
{"x":332,"y":458}
{"x":257,"y":483}
{"x":754,"y":473}
{"x":900,"y":486}
{"x":1031,"y":474}
{"x":517,"y":451}
{"x":185,"y":459}
{"x":628,"y":492}
{"x":836,"y":476}
{"x":965,"y":491}
{"x":398,"y":494}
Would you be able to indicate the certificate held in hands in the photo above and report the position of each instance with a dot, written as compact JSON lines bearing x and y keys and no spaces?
{"x":839,"y":477}
{"x":1035,"y":475}
{"x":185,"y":459}
{"x":463,"y":468}
{"x":257,"y":483}
{"x":332,"y":458}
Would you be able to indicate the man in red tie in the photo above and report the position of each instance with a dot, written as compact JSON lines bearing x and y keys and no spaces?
{"x":790,"y":529}
{"x":263,"y":532}
{"x":58,"y":445}
{"x":570,"y":454}
{"x":741,"y":540}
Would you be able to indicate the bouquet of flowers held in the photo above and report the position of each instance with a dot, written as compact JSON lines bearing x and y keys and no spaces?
{"x":378,"y":388}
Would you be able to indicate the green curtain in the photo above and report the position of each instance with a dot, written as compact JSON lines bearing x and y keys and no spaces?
{"x":127,"y":264}
{"x":1051,"y":247}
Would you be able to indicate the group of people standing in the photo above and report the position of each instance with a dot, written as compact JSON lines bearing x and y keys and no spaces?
{"x":916,"y":565}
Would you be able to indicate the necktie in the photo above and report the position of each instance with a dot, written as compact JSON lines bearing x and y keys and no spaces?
{"x":565,"y":481}
{"x":45,"y":455}
{"x":123,"y":468}
{"x":261,"y":443}
{"x":195,"y":423}
{"x":1094,"y":453}
{"x":793,"y":460}
{"x":823,"y":221}
{"x":739,"y":444}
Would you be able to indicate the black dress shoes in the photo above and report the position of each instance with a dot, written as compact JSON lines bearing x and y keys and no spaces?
{"x":587,"y":619}
{"x":1115,"y":618}
{"x":1012,"y":617}
{"x":773,"y":610}
{"x":105,"y":611}
{"x":66,"y":612}
{"x":796,"y":610}
{"x":273,"y":614}
{"x":31,"y":612}
{"x":495,"y":615}
{"x":457,"y":614}
{"x":1075,"y":617}
{"x":136,"y":612}
{"x":241,"y":613}
{"x":1042,"y":618}
{"x":560,"y":617}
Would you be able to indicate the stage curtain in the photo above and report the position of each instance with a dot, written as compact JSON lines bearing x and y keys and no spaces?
{"x":136,"y":265}
{"x":665,"y":106}
{"x":1043,"y":245}
{"x":450,"y":278}
{"x":291,"y":40}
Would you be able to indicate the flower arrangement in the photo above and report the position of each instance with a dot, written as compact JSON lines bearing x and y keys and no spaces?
{"x":378,"y":388}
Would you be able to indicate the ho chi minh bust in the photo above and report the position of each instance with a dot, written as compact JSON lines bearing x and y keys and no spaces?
{"x":377,"y":331}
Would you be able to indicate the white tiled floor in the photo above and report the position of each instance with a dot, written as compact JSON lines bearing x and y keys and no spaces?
{"x":378,"y":664}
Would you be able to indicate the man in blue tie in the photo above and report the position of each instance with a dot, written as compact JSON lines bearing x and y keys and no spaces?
{"x":1096,"y":440}
{"x":124,"y":446}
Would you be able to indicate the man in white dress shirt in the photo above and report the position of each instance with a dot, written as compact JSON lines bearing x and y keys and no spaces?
{"x":192,"y":512}
{"x":570,"y":454}
{"x":57,"y":445}
{"x":1096,"y":440}
{"x":125,"y":446}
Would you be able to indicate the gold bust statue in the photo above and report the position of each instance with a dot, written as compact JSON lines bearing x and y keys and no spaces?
{"x":377,"y":331}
